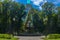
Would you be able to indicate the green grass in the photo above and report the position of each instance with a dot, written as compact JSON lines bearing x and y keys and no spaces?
{"x":4,"y":39}
{"x":7,"y":37}
{"x":52,"y":37}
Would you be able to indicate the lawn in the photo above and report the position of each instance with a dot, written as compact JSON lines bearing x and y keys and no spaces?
{"x":7,"y":37}
{"x":52,"y":37}
{"x":4,"y":39}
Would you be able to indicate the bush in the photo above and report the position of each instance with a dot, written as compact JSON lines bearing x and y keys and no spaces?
{"x":8,"y":36}
{"x":53,"y":36}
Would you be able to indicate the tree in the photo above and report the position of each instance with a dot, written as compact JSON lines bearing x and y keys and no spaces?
{"x":10,"y":18}
{"x":48,"y":9}
{"x":58,"y":20}
{"x":38,"y":23}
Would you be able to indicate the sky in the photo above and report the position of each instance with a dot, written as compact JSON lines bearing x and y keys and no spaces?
{"x":38,"y":3}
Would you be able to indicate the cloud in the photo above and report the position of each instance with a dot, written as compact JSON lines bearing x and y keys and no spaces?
{"x":36,"y":2}
{"x":39,"y":3}
{"x":40,"y":7}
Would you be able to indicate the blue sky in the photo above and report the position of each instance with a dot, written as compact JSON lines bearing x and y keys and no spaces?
{"x":38,"y":3}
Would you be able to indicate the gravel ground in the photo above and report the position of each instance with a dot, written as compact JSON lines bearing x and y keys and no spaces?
{"x":30,"y":37}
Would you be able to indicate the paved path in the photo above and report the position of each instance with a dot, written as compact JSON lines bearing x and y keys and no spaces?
{"x":30,"y":37}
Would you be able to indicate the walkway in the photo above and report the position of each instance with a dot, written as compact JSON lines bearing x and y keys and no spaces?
{"x":30,"y":37}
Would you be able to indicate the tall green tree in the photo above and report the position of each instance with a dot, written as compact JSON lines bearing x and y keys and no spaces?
{"x":48,"y":9}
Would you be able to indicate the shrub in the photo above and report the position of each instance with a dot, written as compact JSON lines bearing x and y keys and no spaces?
{"x":53,"y":36}
{"x":8,"y":36}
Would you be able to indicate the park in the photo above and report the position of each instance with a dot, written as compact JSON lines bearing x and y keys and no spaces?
{"x":24,"y":22}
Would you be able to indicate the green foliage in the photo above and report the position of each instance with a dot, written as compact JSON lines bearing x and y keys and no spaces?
{"x":50,"y":18}
{"x":38,"y":23}
{"x":53,"y":36}
{"x":14,"y":18}
{"x":11,"y":14}
{"x":7,"y":37}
